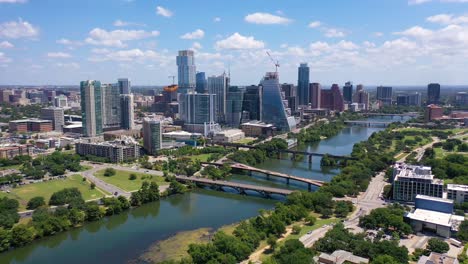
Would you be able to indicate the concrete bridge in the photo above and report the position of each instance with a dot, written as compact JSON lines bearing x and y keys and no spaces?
{"x":411,"y":114}
{"x":268,"y":173}
{"x":239,"y":187}
{"x":368,"y":123}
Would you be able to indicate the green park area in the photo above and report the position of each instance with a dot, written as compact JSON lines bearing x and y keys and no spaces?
{"x":45,"y":189}
{"x":200,"y":157}
{"x":122,"y":179}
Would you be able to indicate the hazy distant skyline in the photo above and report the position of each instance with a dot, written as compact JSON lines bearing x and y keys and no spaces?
{"x":388,"y":42}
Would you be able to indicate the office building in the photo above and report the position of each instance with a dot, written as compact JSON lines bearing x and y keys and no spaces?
{"x":315,"y":92}
{"x":199,"y":109}
{"x":234,"y":106}
{"x":218,"y":85}
{"x":303,"y":84}
{"x":413,"y":99}
{"x":56,"y":115}
{"x":122,"y":150}
{"x":127,"y":112}
{"x":111,"y":106}
{"x":11,"y":151}
{"x":461,"y":99}
{"x":361,"y":96}
{"x":348,"y":92}
{"x":437,"y":258}
{"x":152,"y":135}
{"x":201,"y":85}
{"x":252,"y":104}
{"x":61,"y":101}
{"x":228,"y":136}
{"x":5,"y":95}
{"x":332,"y":99}
{"x":384,"y":95}
{"x":257,"y":129}
{"x":124,"y":86}
{"x":272,"y":101}
{"x":30,"y":125}
{"x":458,"y":193}
{"x":433,"y":112}
{"x":411,"y":180}
{"x":289,"y":93}
{"x":186,"y":71}
{"x":433,"y":93}
{"x":91,"y":107}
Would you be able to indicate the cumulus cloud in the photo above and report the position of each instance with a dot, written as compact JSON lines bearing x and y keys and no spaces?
{"x":196,"y":46}
{"x":4,"y":58}
{"x":164,"y":11}
{"x":132,"y":55}
{"x":6,"y":45}
{"x":315,"y":24}
{"x":117,"y":38}
{"x":238,"y":42}
{"x":197,"y":34}
{"x":446,"y":19}
{"x":13,"y":1}
{"x":415,"y":31}
{"x":18,"y":29}
{"x":419,"y":2}
{"x":334,"y":33}
{"x":69,"y":66}
{"x":217,"y":19}
{"x":62,"y":55}
{"x":266,"y":19}
{"x":121,"y":23}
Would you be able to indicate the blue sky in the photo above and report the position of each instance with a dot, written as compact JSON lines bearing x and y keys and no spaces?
{"x":391,"y":42}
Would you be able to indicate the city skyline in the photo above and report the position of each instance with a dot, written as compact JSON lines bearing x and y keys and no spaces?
{"x":140,"y":39}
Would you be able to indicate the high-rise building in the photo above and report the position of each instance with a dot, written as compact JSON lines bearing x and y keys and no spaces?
{"x":348,"y":92}
{"x":332,"y":99}
{"x":201,"y":85}
{"x":127,"y":112}
{"x":315,"y":95}
{"x":411,"y":180}
{"x":252,"y":104}
{"x":361,"y":96}
{"x":56,"y":115}
{"x":384,"y":94}
{"x":461,"y":98}
{"x":199,"y":108}
{"x":61,"y":101}
{"x":433,"y":93}
{"x":303,"y":84}
{"x":234,"y":106}
{"x":111,"y":106}
{"x":218,"y":85}
{"x":290,"y":95}
{"x":272,"y":101}
{"x":152,"y":135}
{"x":125,"y":86}
{"x":91,"y":107}
{"x":186,"y":71}
{"x":413,"y":99}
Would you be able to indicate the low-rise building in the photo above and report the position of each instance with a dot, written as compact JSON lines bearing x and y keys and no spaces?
{"x":339,"y":257}
{"x":411,"y":180}
{"x":433,"y":112}
{"x":257,"y":128}
{"x":30,"y":125}
{"x":11,"y":151}
{"x":458,"y":193}
{"x":115,"y":134}
{"x":126,"y":149}
{"x":437,"y":258}
{"x":228,"y":136}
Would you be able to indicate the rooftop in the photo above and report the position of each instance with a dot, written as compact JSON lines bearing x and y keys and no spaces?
{"x":341,"y":256}
{"x":457,"y":187}
{"x":229,"y":132}
{"x":435,"y":199}
{"x":35,"y":120}
{"x":438,"y":218}
{"x":257,"y":123}
{"x":437,"y":258}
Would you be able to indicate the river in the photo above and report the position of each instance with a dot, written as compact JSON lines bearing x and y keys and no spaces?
{"x":122,"y":238}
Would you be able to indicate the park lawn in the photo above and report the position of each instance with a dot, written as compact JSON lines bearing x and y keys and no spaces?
{"x":45,"y":189}
{"x":246,"y":140}
{"x":200,"y":157}
{"x":16,"y":167}
{"x":120,"y":179}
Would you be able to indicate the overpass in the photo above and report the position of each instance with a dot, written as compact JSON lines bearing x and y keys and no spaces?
{"x":289,"y":151}
{"x":239,"y":187}
{"x":269,"y":173}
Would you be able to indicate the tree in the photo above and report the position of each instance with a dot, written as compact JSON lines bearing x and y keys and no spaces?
{"x":5,"y":239}
{"x":463,"y":231}
{"x":272,"y":241}
{"x":384,"y":259}
{"x":293,"y":251}
{"x":296,"y":229}
{"x":35,"y":202}
{"x":132,"y":176}
{"x":310,"y":220}
{"x":21,"y":235}
{"x":109,"y":172}
{"x":92,"y":186}
{"x":437,"y":245}
{"x":65,"y":196}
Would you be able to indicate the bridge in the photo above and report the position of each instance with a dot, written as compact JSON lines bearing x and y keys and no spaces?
{"x":368,"y":123}
{"x":269,"y":173}
{"x":411,"y":114}
{"x":239,"y":187}
{"x":289,"y":151}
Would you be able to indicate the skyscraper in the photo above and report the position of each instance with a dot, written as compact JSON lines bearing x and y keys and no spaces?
{"x":218,"y":85}
{"x":186,"y":71}
{"x":433,"y":93}
{"x":332,"y":99}
{"x":124,"y":85}
{"x":252,"y":104}
{"x":56,"y":114}
{"x":348,"y":92}
{"x":303,"y":84}
{"x":384,"y":94}
{"x":152,"y":135}
{"x":361,"y":96}
{"x":315,"y":95}
{"x":61,"y":101}
{"x":127,"y":116}
{"x":272,"y":102}
{"x":289,"y":91}
{"x":111,"y":106}
{"x":91,"y":107}
{"x":199,"y":108}
{"x":201,"y":86}
{"x":234,"y":106}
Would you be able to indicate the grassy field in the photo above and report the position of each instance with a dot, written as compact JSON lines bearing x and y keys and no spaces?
{"x":200,"y":157}
{"x":45,"y":189}
{"x":120,"y":179}
{"x":245,"y":140}
{"x":17,"y":167}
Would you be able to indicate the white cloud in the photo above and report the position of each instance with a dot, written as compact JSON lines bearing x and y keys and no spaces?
{"x":62,"y":55}
{"x":418,"y":2}
{"x":100,"y":51}
{"x":18,"y":29}
{"x":347,"y":45}
{"x":217,"y":19}
{"x":121,"y":23}
{"x":446,"y":19}
{"x":116,"y":38}
{"x":13,"y":1}
{"x":69,"y":66}
{"x":68,"y":42}
{"x":266,"y":19}
{"x":378,"y":34}
{"x":197,"y":34}
{"x":238,"y":42}
{"x":315,"y":24}
{"x":164,"y":11}
{"x":196,"y":46}
{"x":416,"y":31}
{"x":334,"y":33}
{"x":4,"y":58}
{"x":133,"y":55}
{"x":6,"y":45}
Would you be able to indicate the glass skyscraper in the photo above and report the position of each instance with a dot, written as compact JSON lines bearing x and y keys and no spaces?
{"x":124,"y":86}
{"x":111,"y":105}
{"x":303,"y":84}
{"x":127,"y":116}
{"x":348,"y":92}
{"x":272,"y":103}
{"x":384,"y":94}
{"x":199,"y":108}
{"x":152,"y":135}
{"x":234,"y":106}
{"x":252,"y":104}
{"x":433,"y":93}
{"x":186,"y":71}
{"x":201,"y":86}
{"x":218,"y":85}
{"x":91,"y":108}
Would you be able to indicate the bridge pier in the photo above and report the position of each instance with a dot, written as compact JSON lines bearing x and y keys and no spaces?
{"x":309,"y":187}
{"x":268,"y":176}
{"x":287,"y":181}
{"x":279,"y":155}
{"x":310,"y":158}
{"x":293,"y":156}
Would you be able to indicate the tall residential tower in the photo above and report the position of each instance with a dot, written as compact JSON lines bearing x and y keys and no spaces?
{"x":91,"y":107}
{"x":303,"y":84}
{"x":186,"y":71}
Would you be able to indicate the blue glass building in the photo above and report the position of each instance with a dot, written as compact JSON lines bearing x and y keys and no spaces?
{"x":303,"y":84}
{"x":201,"y":86}
{"x":186,"y":71}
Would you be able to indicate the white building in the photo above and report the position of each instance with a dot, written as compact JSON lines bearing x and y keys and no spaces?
{"x":457,"y":193}
{"x":411,"y":180}
{"x":228,"y":136}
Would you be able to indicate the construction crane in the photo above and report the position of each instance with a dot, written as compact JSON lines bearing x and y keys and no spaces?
{"x":276,"y":63}
{"x":173,"y":79}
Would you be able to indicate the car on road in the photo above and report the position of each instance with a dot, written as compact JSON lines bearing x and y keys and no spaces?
{"x":310,"y":232}
{"x":116,"y":193}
